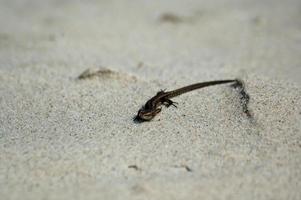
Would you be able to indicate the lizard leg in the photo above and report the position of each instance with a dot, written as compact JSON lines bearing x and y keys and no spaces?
{"x":161,"y":92}
{"x":168,"y":102}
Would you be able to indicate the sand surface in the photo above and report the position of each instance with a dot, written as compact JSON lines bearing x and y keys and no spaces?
{"x":67,"y":138}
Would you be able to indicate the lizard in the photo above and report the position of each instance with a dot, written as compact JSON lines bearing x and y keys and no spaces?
{"x":153,"y":106}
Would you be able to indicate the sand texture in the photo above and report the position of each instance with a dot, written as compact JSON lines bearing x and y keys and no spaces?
{"x":73,"y":74}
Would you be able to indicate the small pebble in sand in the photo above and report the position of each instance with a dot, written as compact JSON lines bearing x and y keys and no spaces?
{"x":103,"y":72}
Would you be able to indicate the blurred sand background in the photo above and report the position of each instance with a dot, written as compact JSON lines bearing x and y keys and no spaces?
{"x":65,"y":138}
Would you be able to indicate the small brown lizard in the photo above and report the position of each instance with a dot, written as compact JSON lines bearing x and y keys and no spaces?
{"x":153,"y":106}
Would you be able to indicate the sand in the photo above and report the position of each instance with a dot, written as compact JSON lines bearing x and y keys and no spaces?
{"x":62,"y":137}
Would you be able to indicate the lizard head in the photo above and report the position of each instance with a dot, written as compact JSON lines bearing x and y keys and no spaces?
{"x":147,"y":115}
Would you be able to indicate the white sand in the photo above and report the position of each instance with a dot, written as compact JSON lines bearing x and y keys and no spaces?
{"x":63,"y":138}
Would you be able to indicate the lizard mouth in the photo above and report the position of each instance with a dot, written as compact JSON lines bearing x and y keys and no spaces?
{"x":138,"y":119}
{"x":143,"y":116}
